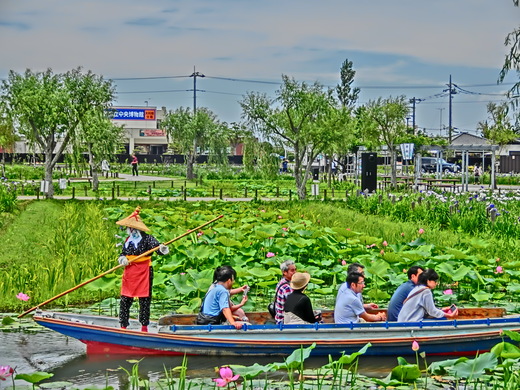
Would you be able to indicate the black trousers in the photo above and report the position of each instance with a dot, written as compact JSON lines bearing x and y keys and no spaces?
{"x":144,"y":307}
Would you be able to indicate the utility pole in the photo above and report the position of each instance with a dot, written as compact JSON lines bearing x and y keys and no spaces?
{"x":440,"y":122}
{"x":413,"y":101}
{"x":450,"y":127}
{"x":195,"y":75}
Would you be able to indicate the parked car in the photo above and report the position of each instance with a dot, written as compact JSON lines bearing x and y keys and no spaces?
{"x":429,"y":164}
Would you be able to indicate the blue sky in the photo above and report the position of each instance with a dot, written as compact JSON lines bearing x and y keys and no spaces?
{"x":399,"y":47}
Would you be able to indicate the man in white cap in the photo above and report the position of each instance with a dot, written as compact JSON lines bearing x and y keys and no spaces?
{"x":138,"y":275}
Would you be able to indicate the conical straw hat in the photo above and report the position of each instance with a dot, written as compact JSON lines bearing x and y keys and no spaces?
{"x":134,"y":221}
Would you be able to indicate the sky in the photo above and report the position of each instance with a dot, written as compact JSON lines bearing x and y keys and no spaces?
{"x":150,"y":48}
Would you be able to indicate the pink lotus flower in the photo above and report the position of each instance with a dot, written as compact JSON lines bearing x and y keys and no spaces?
{"x":226,"y":377}
{"x":284,"y":229}
{"x":448,"y":292}
{"x":402,"y":234}
{"x":270,"y":254}
{"x":499,"y":270}
{"x":279,"y":217}
{"x":382,"y":252}
{"x":415,"y":346}
{"x":348,"y":229}
{"x":262,"y":211}
{"x":5,"y":372}
{"x":385,"y":243}
{"x":343,"y":262}
{"x":200,"y":234}
{"x":421,"y":231}
{"x":23,"y":297}
{"x":498,"y":259}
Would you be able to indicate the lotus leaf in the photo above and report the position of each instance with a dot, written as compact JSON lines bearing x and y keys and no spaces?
{"x":34,"y":377}
{"x":201,"y":251}
{"x":457,"y":254}
{"x":405,"y":372}
{"x":418,"y":242}
{"x":475,"y":368}
{"x":482,"y":296}
{"x":506,"y":350}
{"x":260,"y":273}
{"x":250,"y":372}
{"x":226,"y":241}
{"x":346,"y":359}
{"x":295,"y":359}
{"x":393,"y":257}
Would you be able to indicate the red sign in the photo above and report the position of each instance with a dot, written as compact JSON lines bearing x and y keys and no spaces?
{"x":152,"y":133}
{"x":149,"y":115}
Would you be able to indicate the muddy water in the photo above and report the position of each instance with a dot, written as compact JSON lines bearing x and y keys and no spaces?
{"x":49,"y":351}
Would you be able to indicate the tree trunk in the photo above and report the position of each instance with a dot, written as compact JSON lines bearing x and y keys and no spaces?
{"x":189,"y":167}
{"x":299,"y":175}
{"x":393,"y":166}
{"x":93,"y":169}
{"x":49,"y":167}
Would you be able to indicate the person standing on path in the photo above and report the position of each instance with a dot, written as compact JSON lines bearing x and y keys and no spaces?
{"x":135,"y":164}
{"x":138,"y":276}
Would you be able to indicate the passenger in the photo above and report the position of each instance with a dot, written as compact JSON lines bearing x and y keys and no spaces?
{"x":349,"y":307}
{"x":396,"y":302}
{"x":360,"y":268}
{"x":215,"y":308}
{"x":236,"y":309}
{"x":298,"y":307}
{"x":138,"y":276}
{"x":283,"y":288}
{"x":419,"y":303}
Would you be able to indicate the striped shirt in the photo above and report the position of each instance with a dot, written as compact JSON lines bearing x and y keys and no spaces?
{"x":284,"y":289}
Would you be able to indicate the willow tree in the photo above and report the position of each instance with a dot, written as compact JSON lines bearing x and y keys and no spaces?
{"x":512,"y":59}
{"x":295,"y":119}
{"x":498,"y":128}
{"x":100,"y":140}
{"x":49,"y":109}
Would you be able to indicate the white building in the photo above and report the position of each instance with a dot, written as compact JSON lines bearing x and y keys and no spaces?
{"x":143,"y":128}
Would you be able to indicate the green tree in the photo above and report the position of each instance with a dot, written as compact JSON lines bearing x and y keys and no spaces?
{"x":295,"y":120}
{"x":50,"y":109}
{"x":8,"y":137}
{"x":100,"y":139}
{"x":385,"y":125}
{"x":346,"y":94}
{"x":498,"y":128}
{"x":191,"y":133}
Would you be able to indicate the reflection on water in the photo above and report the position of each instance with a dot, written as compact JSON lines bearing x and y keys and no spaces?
{"x":65,"y":357}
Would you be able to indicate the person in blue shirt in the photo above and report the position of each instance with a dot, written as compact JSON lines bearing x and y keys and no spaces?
{"x":349,"y":307}
{"x":215,"y":308}
{"x":396,"y":302}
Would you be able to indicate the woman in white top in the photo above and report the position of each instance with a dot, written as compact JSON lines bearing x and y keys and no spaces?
{"x":419,"y":303}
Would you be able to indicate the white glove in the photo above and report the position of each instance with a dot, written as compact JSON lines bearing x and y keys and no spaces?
{"x":164,"y":249}
{"x":123,"y":260}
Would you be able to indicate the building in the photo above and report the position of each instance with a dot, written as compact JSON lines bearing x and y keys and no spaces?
{"x":143,"y":129}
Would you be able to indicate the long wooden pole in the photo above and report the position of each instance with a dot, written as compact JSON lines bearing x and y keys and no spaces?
{"x":118,"y":266}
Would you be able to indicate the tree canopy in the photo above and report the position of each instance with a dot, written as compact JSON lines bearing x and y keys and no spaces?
{"x":295,"y":119}
{"x":49,"y":109}
{"x":189,"y":133}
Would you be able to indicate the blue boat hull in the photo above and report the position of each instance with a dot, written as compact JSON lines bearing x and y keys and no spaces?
{"x":103,"y":336}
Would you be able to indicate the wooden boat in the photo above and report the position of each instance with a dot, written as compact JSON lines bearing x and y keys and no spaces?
{"x":476,"y":330}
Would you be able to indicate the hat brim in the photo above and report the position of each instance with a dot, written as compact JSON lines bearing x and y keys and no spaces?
{"x":132,"y":223}
{"x":301,"y":283}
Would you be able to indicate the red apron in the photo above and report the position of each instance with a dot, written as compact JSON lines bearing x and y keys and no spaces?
{"x":136,"y":278}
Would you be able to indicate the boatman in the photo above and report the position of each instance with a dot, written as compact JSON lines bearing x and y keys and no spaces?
{"x":138,"y":275}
